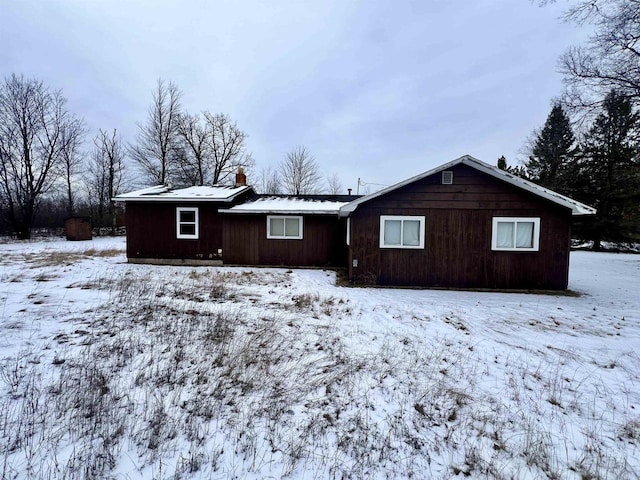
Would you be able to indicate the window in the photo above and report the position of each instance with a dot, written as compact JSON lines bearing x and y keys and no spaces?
{"x":401,"y":232}
{"x":515,"y":234}
{"x":284,"y":227}
{"x":187,"y":222}
{"x":447,"y":177}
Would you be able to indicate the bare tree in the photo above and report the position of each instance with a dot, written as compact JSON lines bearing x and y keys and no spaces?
{"x":299,"y":172}
{"x":610,"y":58}
{"x":155,"y":150}
{"x":269,"y":181}
{"x":193,"y":136}
{"x":334,"y":185}
{"x":32,"y":121}
{"x":227,"y":147}
{"x":72,"y":159}
{"x":105,"y":177}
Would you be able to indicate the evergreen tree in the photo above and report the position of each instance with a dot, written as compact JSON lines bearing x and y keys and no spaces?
{"x":519,"y":171}
{"x":554,"y":153}
{"x":610,"y":171}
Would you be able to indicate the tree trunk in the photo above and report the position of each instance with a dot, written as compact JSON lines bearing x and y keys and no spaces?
{"x":69,"y":197}
{"x":114,"y":220}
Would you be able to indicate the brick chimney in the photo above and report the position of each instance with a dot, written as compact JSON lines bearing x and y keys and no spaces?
{"x":241,"y":178}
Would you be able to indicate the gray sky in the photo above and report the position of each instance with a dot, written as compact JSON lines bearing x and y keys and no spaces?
{"x":374,"y":89}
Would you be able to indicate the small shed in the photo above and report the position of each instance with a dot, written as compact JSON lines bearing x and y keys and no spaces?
{"x":78,"y":228}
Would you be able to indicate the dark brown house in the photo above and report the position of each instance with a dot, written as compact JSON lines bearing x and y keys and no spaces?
{"x":465,"y":224}
{"x":287,"y":231}
{"x":177,"y":227}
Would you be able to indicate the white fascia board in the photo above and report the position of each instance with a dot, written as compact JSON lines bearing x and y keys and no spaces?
{"x":576,"y":207}
{"x":278,"y":212}
{"x":351,"y":206}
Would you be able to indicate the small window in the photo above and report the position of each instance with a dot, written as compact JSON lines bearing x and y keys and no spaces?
{"x":515,"y":234}
{"x":447,"y":177}
{"x":401,"y":231}
{"x":284,"y":227}
{"x":187,"y":223}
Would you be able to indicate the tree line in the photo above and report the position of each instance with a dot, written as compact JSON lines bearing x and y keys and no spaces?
{"x":601,"y":167}
{"x":48,"y":170}
{"x":45,"y":172}
{"x":589,"y":146}
{"x":588,"y":149}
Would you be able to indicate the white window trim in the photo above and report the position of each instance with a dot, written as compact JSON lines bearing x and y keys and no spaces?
{"x":348,"y":231}
{"x":536,"y":234}
{"x":447,"y":177}
{"x":196,"y":223}
{"x":284,"y":237}
{"x":421,"y":219}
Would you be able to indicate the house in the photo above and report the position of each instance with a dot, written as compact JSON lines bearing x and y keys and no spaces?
{"x":464,"y":224}
{"x":304,"y":230}
{"x":178,"y":226}
{"x":209,"y":225}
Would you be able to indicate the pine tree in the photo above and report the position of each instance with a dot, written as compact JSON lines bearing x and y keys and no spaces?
{"x":554,"y":153}
{"x":520,"y":170}
{"x":610,"y":171}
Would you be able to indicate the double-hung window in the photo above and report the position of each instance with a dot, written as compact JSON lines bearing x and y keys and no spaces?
{"x":401,"y":231}
{"x":187,"y":222}
{"x":284,"y":227}
{"x":515,"y":234}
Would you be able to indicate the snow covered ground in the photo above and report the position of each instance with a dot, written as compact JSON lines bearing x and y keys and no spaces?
{"x":136,"y":371}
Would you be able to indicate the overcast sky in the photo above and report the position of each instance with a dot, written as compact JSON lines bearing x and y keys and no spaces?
{"x":380,"y":90}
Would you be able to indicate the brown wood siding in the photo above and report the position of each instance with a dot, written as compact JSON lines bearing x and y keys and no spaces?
{"x":323,"y":244}
{"x":151,"y":231}
{"x":458,"y":228}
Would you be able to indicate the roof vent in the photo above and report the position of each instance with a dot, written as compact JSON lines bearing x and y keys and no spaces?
{"x":447,"y":177}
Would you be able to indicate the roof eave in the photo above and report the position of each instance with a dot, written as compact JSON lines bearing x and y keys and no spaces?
{"x":278,"y":212}
{"x":150,"y":198}
{"x":352,"y":206}
{"x":577,"y":208}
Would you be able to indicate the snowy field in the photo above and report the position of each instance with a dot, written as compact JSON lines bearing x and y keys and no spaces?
{"x":111,"y":370}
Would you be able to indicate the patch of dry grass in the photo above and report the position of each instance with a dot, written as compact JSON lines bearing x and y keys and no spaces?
{"x":182,"y":375}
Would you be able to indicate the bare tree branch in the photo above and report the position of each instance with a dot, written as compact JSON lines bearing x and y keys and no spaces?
{"x":334,"y":185}
{"x":269,"y":181}
{"x":299,"y":172}
{"x":193,"y":136}
{"x":35,"y":127}
{"x":226,"y":145}
{"x":105,"y":177}
{"x":155,"y":150}
{"x":610,"y":58}
{"x":72,"y":158}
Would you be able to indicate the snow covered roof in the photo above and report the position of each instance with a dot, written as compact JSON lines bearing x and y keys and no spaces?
{"x":162,"y":193}
{"x":288,"y":205}
{"x":576,"y":207}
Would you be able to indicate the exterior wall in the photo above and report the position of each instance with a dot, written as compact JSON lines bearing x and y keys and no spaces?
{"x":245,"y":242}
{"x":151,"y":231}
{"x":78,"y":228}
{"x":457,"y":251}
